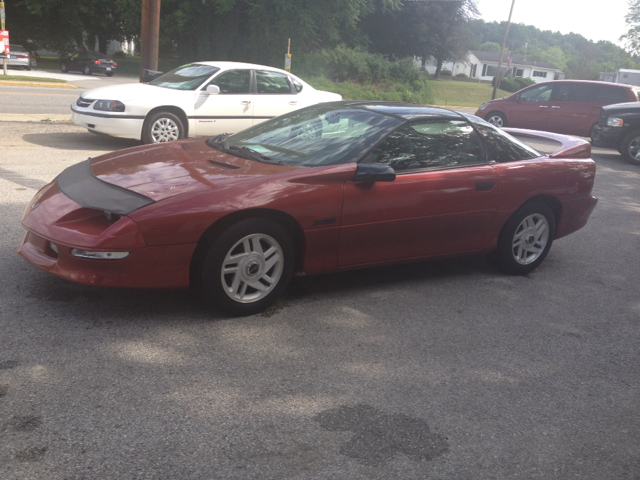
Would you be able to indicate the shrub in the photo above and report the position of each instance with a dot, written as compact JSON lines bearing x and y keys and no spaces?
{"x":462,"y":75}
{"x":445,"y":73}
{"x":119,"y":54}
{"x":523,"y":82}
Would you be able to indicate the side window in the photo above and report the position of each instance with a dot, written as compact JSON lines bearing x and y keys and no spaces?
{"x":233,"y":81}
{"x":297,"y":85}
{"x":610,"y":94}
{"x":272,"y":83}
{"x":503,"y":147}
{"x":573,"y":92}
{"x":437,"y":143}
{"x":537,"y":94}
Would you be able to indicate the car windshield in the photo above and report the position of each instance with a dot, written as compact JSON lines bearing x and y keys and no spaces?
{"x":316,"y":135}
{"x":187,"y":77}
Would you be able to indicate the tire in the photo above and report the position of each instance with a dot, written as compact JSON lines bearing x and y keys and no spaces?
{"x":28,"y":69}
{"x":86,"y":70}
{"x":162,"y":127}
{"x":525,"y":239}
{"x":247,"y":267}
{"x":630,"y":148}
{"x":496,"y":118}
{"x":109,"y":74}
{"x":63,"y":68}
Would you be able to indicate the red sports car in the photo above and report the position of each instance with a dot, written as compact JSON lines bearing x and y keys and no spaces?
{"x":329,"y":187}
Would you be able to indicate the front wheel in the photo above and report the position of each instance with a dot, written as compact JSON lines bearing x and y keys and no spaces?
{"x":630,"y":147}
{"x":162,"y":127}
{"x":496,"y":118}
{"x":525,"y":239}
{"x":248,"y":266}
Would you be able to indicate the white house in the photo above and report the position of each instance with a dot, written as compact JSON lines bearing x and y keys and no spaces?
{"x":484,"y":66}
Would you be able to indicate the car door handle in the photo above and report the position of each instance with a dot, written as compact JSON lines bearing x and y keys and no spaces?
{"x":245,"y":102}
{"x":555,"y":106}
{"x":484,"y":186}
{"x":293,"y":102}
{"x":544,"y":106}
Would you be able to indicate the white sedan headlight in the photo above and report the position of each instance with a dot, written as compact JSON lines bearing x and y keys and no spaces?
{"x":109,"y":105}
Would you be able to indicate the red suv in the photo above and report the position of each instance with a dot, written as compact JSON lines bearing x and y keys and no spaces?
{"x":562,"y":106}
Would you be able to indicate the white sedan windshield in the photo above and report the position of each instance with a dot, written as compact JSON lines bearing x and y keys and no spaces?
{"x":187,"y":77}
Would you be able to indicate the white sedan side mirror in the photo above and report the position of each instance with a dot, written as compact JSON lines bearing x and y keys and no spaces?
{"x":212,"y":90}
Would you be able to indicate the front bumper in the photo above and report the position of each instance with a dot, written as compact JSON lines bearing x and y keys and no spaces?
{"x":123,"y":126}
{"x":53,"y":218}
{"x":607,"y":137}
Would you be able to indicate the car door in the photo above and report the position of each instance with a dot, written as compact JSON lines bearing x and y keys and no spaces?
{"x":274,"y":96}
{"x":229,"y":111}
{"x":441,"y":202}
{"x":532,"y":108}
{"x":570,"y":108}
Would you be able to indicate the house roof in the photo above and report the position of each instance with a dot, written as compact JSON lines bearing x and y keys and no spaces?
{"x":516,"y":59}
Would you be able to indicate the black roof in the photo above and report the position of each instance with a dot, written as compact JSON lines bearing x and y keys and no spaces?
{"x":407,"y":111}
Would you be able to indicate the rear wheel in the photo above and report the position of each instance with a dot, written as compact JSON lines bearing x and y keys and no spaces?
{"x":162,"y":127}
{"x":248,"y":266}
{"x":630,"y":147}
{"x":109,"y":74}
{"x":525,"y":239}
{"x":496,"y":118}
{"x":86,"y":70}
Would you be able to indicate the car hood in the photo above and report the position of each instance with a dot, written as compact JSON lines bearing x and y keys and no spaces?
{"x":130,"y":91}
{"x":164,"y":170}
{"x":620,"y":108}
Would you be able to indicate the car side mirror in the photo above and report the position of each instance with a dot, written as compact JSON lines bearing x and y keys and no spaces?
{"x":212,"y":90}
{"x":374,"y":172}
{"x":517,"y":98}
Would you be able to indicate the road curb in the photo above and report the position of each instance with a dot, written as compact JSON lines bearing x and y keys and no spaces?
{"x":36,"y":84}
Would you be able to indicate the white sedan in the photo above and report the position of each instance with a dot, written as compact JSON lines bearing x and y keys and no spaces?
{"x":203,"y":98}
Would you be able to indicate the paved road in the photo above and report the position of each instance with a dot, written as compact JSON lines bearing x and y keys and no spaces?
{"x":440,"y":370}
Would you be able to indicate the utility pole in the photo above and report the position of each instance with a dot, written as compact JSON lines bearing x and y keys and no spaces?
{"x":149,"y":36}
{"x":504,"y":43}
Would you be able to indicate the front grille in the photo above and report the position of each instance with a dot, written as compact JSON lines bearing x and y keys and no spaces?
{"x":81,"y":102}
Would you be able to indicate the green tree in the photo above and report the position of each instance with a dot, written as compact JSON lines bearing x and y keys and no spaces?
{"x":632,"y":19}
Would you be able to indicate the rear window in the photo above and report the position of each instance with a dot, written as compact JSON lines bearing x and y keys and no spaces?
{"x":611,"y":94}
{"x":17,"y":48}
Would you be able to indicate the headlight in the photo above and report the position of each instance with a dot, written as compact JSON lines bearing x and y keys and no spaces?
{"x":483,"y":106}
{"x":109,"y":105}
{"x":615,"y":122}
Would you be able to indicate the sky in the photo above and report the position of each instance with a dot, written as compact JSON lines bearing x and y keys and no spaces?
{"x":602,"y":20}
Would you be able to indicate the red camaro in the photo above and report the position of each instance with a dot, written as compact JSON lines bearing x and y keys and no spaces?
{"x":329,"y":187}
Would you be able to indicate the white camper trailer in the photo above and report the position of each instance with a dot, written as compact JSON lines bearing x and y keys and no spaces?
{"x":630,"y":77}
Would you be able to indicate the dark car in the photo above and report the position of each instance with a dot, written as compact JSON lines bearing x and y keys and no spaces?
{"x":571,"y":107}
{"x":330,"y":187}
{"x":88,"y":63}
{"x":619,"y":128}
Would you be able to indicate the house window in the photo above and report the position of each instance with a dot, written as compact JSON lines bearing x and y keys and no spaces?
{"x":491,"y":71}
{"x":536,"y":73}
{"x":517,"y":72}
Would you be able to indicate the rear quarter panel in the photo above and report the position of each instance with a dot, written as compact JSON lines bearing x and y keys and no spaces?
{"x":566,"y":182}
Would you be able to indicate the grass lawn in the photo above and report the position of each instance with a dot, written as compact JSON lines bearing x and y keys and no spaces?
{"x":22,"y":78}
{"x":462,"y":94}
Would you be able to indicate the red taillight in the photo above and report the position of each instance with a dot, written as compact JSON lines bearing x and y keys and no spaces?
{"x":115,"y":64}
{"x":23,"y":56}
{"x":97,"y":62}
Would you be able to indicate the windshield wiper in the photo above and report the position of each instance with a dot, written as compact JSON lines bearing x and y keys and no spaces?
{"x":253,"y":154}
